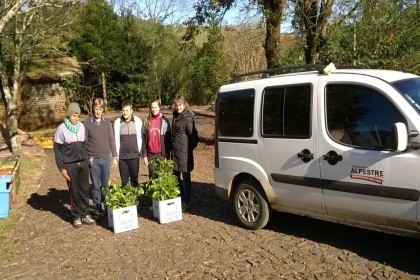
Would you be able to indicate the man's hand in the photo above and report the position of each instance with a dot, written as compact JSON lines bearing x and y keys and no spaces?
{"x":114,"y":163}
{"x":146,"y":161}
{"x":65,"y":175}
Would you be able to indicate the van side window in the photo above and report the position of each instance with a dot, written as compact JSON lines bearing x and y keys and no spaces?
{"x":236,"y":113}
{"x":286,"y":112}
{"x":360,"y":116}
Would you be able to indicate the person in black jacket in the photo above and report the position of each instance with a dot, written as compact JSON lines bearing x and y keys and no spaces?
{"x":184,"y":141}
{"x":72,"y":161}
{"x":156,"y":136}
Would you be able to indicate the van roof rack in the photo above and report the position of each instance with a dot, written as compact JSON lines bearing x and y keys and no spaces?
{"x":283,"y":70}
{"x":350,"y":67}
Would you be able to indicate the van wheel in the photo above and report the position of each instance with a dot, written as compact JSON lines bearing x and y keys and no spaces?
{"x":251,"y":207}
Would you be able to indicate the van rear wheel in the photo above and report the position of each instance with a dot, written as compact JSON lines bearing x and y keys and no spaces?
{"x":251,"y":207}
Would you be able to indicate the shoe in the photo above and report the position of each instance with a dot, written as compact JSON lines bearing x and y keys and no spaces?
{"x":88,"y":220}
{"x":186,"y":206}
{"x":77,"y":223}
{"x":97,"y":214}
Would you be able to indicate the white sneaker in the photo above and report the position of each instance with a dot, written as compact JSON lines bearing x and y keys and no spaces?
{"x":88,"y":220}
{"x":77,"y":223}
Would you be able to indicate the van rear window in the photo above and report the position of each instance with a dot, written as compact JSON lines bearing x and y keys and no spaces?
{"x":236,"y":113}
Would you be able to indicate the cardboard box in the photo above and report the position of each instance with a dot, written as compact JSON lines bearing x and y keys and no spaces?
{"x":123,"y":219}
{"x":168,"y":210}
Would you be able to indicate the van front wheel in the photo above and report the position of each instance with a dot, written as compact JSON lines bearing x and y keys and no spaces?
{"x":251,"y":207}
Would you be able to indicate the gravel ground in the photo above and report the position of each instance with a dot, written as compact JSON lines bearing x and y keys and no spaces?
{"x":206,"y":244}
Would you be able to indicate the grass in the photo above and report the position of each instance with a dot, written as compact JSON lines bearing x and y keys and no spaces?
{"x":30,"y":172}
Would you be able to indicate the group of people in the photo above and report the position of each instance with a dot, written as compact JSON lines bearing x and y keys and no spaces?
{"x":95,"y":146}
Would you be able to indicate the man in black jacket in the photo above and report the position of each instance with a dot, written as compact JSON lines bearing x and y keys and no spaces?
{"x":71,"y":159}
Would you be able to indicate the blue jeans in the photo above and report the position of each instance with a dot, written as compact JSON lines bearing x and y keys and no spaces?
{"x":99,"y":174}
{"x":184,"y":185}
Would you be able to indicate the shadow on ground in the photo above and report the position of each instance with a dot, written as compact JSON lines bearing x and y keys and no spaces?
{"x":398,"y":252}
{"x":54,"y":201}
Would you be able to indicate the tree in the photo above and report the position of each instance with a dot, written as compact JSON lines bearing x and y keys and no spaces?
{"x":161,"y":11}
{"x":208,"y":67}
{"x":166,"y":73}
{"x":394,"y":34}
{"x":127,"y":80}
{"x":98,"y":44}
{"x":24,"y":26}
{"x":311,"y":19}
{"x":272,"y":11}
{"x":243,"y":48}
{"x":155,"y":66}
{"x":380,"y":34}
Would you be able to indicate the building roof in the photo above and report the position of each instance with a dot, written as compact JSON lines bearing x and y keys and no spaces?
{"x":53,"y":69}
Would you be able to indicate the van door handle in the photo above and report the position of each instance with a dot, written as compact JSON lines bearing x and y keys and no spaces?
{"x":332,"y":157}
{"x":305,"y":155}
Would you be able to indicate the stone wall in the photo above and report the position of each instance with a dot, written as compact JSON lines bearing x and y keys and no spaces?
{"x":42,"y":102}
{"x":42,"y":105}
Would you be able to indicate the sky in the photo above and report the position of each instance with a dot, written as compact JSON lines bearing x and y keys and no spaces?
{"x":181,"y":10}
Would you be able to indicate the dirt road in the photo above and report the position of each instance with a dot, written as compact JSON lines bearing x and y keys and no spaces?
{"x":206,"y":244}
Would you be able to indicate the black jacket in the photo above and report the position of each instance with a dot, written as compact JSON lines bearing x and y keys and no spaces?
{"x":183,"y":135}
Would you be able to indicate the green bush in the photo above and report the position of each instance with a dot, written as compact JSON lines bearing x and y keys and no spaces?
{"x":119,"y":197}
{"x":163,"y":185}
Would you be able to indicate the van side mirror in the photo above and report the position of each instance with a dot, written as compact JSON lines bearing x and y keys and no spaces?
{"x":400,"y":137}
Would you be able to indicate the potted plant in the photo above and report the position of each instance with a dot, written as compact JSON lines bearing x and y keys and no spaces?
{"x":164,"y":190}
{"x":121,"y":205}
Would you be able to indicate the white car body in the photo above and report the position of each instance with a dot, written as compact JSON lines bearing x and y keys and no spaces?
{"x":364,"y":180}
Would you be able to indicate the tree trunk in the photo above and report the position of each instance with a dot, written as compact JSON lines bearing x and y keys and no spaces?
{"x":104,"y":89}
{"x":273,"y":12}
{"x":10,"y":97}
{"x":311,"y":56}
{"x":12,"y":128}
{"x":11,"y":12}
{"x":12,"y":104}
{"x":315,"y":19}
{"x":11,"y":116}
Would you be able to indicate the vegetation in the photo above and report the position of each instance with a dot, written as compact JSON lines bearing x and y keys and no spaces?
{"x":27,"y":30}
{"x":119,"y":197}
{"x":30,"y":173}
{"x":164,"y":185}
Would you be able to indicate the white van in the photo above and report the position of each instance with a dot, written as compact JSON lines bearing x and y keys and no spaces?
{"x":341,"y":147}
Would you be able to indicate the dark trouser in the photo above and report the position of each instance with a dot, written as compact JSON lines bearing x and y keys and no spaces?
{"x":184,"y":185}
{"x":152,"y":164}
{"x":129,"y":170}
{"x":79,"y":188}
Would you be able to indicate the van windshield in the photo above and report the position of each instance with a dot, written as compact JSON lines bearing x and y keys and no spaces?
{"x":410,"y":89}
